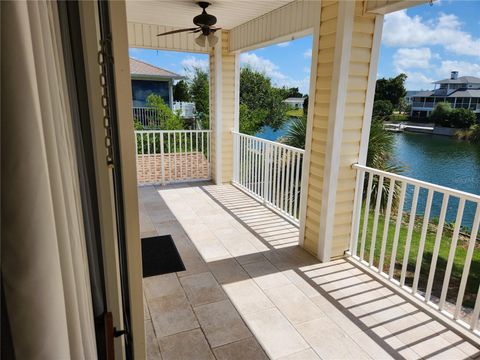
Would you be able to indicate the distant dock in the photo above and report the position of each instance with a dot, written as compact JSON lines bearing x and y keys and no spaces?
{"x":401,"y":127}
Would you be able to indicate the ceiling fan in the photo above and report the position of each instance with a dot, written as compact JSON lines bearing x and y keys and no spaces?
{"x":204,"y":24}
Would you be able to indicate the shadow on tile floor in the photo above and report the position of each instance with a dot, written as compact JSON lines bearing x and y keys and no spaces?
{"x":248,"y":286}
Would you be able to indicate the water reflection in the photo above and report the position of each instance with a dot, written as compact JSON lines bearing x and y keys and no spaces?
{"x":443,"y":161}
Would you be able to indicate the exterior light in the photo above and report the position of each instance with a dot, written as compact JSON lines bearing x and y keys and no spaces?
{"x":200,"y":40}
{"x":212,"y":40}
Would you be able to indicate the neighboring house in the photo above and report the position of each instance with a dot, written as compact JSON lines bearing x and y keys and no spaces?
{"x":460,"y":92}
{"x":410,"y":95}
{"x":295,"y":102}
{"x":148,"y":79}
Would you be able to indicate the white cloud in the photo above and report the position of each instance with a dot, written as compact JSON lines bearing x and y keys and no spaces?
{"x":272,"y":70}
{"x":418,"y":81}
{"x":308,"y":53}
{"x":190,"y":63}
{"x":284,"y":44}
{"x":400,"y":29}
{"x":464,"y":68}
{"x":407,"y":58}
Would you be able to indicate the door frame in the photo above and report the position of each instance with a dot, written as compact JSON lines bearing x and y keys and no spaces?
{"x":90,"y":21}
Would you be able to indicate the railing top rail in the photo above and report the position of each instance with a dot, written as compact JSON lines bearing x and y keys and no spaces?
{"x":412,"y":181}
{"x":144,"y":107}
{"x":170,"y":131}
{"x":270,"y":142}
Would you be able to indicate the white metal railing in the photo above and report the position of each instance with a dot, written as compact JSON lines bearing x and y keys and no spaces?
{"x":269,"y":171}
{"x":147,"y":116}
{"x":165,"y":156}
{"x":187,"y":109}
{"x":396,"y":233}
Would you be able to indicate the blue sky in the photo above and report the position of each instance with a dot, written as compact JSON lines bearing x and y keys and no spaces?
{"x":425,"y":42}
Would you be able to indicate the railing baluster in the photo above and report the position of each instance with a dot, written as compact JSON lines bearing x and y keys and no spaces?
{"x":276,"y":178}
{"x":357,"y":212}
{"x":175,"y":154}
{"x":282,"y":186}
{"x":149,"y":157}
{"x":375,"y":219}
{"x":197,"y":170}
{"x":285,"y":186}
{"x":296,"y":194}
{"x":408,"y":242}
{"x":366,"y":215}
{"x":291,"y":183}
{"x":136,"y":157}
{"x":436,"y":247}
{"x":423,"y":236}
{"x":169,"y":158}
{"x":209,"y":163}
{"x":451,"y":254}
{"x":468,"y":261}
{"x":397,"y":230}
{"x":143,"y":162}
{"x":386,"y":224}
{"x":191,"y":156}
{"x":162,"y":158}
{"x":203,"y":157}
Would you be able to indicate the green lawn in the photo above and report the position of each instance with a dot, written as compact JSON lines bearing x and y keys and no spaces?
{"x":295,"y":112}
{"x":460,"y":254}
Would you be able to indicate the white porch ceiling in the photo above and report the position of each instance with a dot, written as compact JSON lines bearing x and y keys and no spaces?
{"x":230,"y":13}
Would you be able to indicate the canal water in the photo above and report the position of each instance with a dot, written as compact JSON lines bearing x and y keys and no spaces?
{"x":440,"y":160}
{"x":436,"y":159}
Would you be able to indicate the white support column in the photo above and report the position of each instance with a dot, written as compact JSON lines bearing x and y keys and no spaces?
{"x":308,"y":140}
{"x":341,"y":96}
{"x":336,"y":115}
{"x":217,"y":136}
{"x":224,"y":107}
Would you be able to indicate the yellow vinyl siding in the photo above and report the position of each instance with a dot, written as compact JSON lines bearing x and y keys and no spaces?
{"x":227,"y":111}
{"x":295,"y":18}
{"x":360,"y":56}
{"x":145,"y":36}
{"x":323,"y":84}
{"x":354,"y":108}
{"x":212,"y":119}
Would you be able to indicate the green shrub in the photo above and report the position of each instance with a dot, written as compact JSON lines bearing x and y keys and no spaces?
{"x":165,"y":117}
{"x":382,"y":108}
{"x":441,"y":114}
{"x":398,"y":117}
{"x":475,"y":134}
{"x":462,"y":118}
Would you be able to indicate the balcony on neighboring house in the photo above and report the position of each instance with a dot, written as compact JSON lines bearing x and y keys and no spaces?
{"x":148,"y":116}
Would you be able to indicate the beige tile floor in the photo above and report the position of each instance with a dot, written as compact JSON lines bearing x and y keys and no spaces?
{"x":250,"y":292}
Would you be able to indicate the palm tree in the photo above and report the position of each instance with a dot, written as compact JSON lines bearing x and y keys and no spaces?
{"x":380,"y":148}
{"x":296,"y":132}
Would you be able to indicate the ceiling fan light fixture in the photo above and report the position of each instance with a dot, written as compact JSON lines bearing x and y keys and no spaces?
{"x":212,"y":40}
{"x":200,"y":40}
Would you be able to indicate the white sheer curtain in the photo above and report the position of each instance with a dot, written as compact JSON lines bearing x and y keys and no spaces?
{"x":44,"y":263}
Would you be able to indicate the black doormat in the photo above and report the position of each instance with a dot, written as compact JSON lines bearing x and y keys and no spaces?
{"x":160,"y":256}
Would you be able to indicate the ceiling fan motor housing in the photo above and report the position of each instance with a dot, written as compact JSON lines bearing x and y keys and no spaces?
{"x":204,"y":19}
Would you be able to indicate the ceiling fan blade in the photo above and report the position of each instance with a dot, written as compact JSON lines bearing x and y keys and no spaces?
{"x":196,"y":31}
{"x":177,"y":31}
{"x":214,"y":29}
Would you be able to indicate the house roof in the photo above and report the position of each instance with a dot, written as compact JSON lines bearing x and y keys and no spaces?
{"x":140,"y":69}
{"x":475,"y":93}
{"x":460,"y":80}
{"x":294,"y":99}
{"x":423,"y":93}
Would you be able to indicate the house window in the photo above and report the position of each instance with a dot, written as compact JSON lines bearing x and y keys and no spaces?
{"x":142,"y":88}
